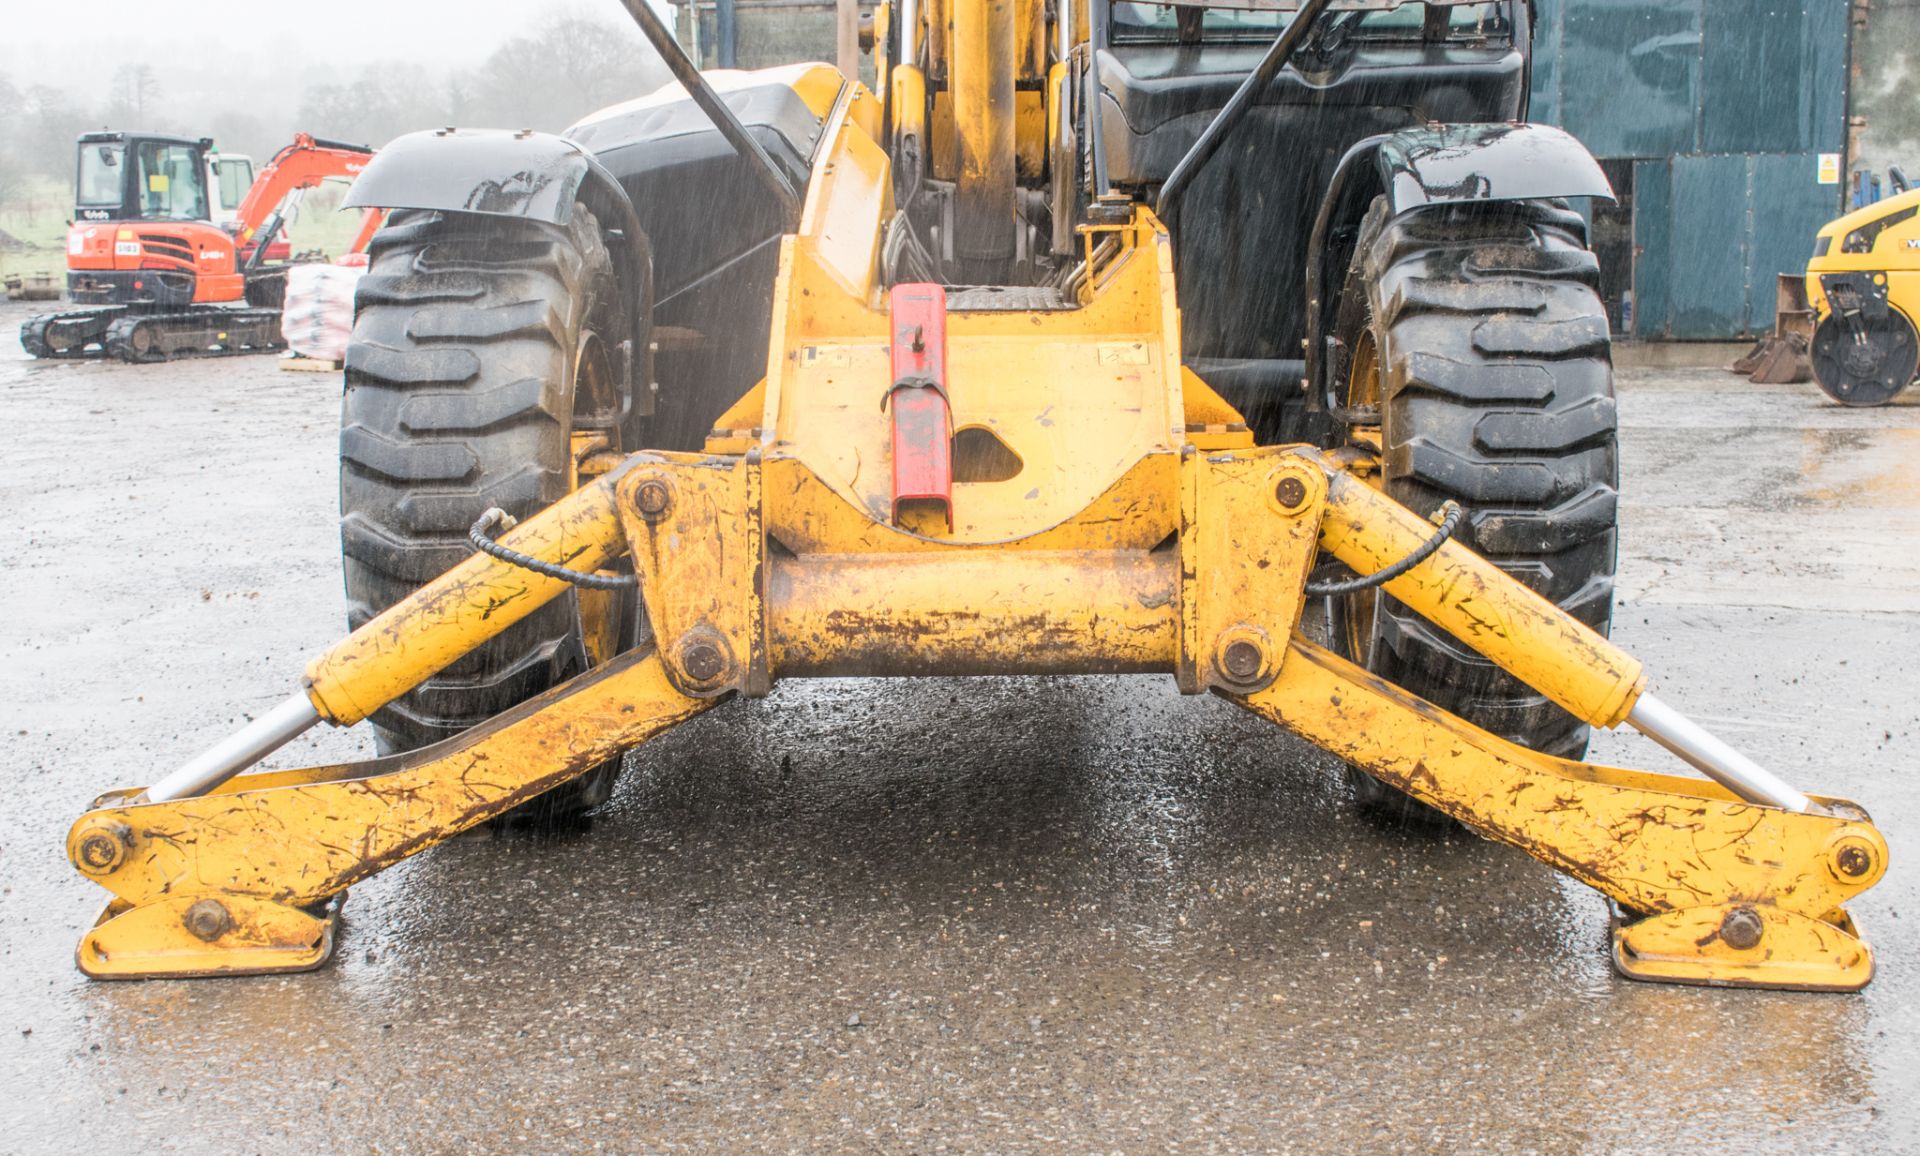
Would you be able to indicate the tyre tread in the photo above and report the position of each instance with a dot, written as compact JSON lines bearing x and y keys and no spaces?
{"x":1498,"y":395}
{"x":458,"y":398}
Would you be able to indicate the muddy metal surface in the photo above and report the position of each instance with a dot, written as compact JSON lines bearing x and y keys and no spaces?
{"x":995,"y":915}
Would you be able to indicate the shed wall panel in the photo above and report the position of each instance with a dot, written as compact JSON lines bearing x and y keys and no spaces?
{"x":1631,"y":75}
{"x":1707,"y":258}
{"x":1725,"y":105}
{"x":1652,"y":242}
{"x":1789,"y":206}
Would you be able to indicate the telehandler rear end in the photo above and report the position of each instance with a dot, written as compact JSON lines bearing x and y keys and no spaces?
{"x":1098,"y":340}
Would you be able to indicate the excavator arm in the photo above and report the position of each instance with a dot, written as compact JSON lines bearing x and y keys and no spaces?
{"x":298,"y":167}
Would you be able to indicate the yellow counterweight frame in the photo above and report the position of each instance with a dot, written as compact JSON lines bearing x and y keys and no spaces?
{"x":1140,"y":530}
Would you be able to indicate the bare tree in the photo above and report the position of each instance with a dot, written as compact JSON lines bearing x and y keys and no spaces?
{"x":546,"y":80}
{"x":13,"y":181}
{"x":235,"y":131}
{"x":12,"y":115}
{"x":135,"y":95}
{"x":383,"y":102}
{"x":12,"y":105}
{"x":50,"y":122}
{"x":568,"y":69}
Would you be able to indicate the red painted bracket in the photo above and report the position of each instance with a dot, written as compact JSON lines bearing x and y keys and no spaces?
{"x":922,"y":418}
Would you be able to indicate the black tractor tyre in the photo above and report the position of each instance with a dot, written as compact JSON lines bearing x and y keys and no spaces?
{"x":480,"y":344}
{"x":1475,"y":341}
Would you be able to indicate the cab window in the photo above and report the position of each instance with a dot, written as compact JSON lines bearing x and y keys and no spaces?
{"x":1406,"y":21}
{"x":100,"y":174}
{"x":170,"y":182}
{"x":236,"y":177}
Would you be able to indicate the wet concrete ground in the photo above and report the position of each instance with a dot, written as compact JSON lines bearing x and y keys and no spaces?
{"x":1081,"y":915}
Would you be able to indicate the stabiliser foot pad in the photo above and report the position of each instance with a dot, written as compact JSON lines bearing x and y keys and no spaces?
{"x":1742,"y":945}
{"x":187,"y":936}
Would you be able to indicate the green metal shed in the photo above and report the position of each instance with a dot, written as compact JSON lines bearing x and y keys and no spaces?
{"x":1722,"y":124}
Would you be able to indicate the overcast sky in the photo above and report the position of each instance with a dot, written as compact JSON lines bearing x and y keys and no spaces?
{"x":218,"y":59}
{"x":37,"y":37}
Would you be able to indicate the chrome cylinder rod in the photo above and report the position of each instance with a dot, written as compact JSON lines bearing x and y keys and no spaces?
{"x":1720,"y":762}
{"x":237,"y":751}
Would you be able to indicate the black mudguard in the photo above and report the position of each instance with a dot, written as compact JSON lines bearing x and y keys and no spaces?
{"x":532,"y":175}
{"x":1435,"y":164}
{"x":654,"y":169}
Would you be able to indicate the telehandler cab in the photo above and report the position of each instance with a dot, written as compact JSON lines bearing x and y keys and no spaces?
{"x":1100,"y":339}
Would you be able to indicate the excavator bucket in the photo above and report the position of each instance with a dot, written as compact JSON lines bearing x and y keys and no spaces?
{"x":1781,"y":357}
{"x":937,"y":478}
{"x":1780,"y":361}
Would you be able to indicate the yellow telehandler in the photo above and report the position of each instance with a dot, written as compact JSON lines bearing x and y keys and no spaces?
{"x":1101,"y":338}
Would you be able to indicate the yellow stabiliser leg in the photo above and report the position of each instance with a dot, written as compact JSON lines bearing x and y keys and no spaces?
{"x":1720,"y":889}
{"x":213,"y":875}
{"x":1201,"y":573}
{"x":244,"y":880}
{"x":1738,"y":894}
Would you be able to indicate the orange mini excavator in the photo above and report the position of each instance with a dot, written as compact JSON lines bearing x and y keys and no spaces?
{"x":161,"y":279}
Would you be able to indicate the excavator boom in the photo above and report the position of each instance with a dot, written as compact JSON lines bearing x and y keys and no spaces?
{"x":299,"y":166}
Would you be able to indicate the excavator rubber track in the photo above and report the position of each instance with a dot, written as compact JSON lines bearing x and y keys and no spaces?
{"x":135,"y":336}
{"x":72,"y":335}
{"x":204,"y":332}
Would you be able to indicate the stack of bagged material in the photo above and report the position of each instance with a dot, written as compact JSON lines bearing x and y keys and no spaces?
{"x":318,"y":316}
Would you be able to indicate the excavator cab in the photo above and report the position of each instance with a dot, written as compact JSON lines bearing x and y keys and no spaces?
{"x":130,"y":176}
{"x":143,"y":232}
